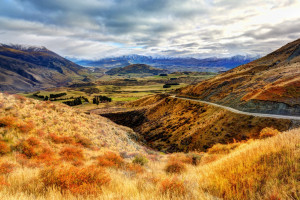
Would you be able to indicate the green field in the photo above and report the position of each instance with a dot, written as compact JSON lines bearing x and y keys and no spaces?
{"x":113,"y":87}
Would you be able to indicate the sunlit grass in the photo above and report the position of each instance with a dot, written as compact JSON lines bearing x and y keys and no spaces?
{"x":67,"y":154}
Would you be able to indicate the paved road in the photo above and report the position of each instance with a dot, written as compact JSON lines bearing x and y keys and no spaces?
{"x":242,"y":112}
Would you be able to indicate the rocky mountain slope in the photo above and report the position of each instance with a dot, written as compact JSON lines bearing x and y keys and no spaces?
{"x":29,"y":68}
{"x":270,"y":84}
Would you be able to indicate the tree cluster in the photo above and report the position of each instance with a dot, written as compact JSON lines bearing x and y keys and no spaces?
{"x":38,"y":96}
{"x":75,"y":102}
{"x":57,"y":95}
{"x":101,"y":99}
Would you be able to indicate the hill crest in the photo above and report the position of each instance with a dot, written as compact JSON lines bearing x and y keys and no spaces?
{"x":26,"y":68}
{"x":269,"y":84}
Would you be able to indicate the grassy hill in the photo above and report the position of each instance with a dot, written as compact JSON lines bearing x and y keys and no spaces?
{"x":169,"y":124}
{"x":136,"y":69}
{"x":49,"y":150}
{"x":270,"y":84}
{"x":32,"y":68}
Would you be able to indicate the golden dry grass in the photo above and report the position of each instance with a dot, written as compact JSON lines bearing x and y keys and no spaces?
{"x":257,"y":169}
{"x":171,"y":124}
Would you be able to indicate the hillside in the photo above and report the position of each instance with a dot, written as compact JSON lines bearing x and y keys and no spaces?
{"x":171,"y":125}
{"x":136,"y":69}
{"x":31,"y":68}
{"x":49,"y":150}
{"x":270,"y":84}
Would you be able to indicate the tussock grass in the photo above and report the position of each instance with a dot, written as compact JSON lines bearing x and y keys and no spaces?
{"x":263,"y":169}
{"x":62,"y":156}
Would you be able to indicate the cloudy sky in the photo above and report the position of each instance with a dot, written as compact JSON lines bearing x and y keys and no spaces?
{"x":93,"y":29}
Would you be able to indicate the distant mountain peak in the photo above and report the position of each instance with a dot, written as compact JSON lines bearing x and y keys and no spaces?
{"x":22,"y":47}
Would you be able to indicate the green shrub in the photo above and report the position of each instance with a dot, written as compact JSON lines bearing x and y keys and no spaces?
{"x":196,"y":158}
{"x":140,"y":159}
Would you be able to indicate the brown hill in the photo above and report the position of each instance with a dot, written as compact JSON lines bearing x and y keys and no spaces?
{"x":270,"y":84}
{"x":171,"y":124}
{"x":31,"y":68}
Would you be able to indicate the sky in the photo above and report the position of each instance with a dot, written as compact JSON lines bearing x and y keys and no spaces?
{"x":94,"y":29}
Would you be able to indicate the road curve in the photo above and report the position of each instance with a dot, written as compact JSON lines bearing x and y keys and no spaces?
{"x":242,"y":112}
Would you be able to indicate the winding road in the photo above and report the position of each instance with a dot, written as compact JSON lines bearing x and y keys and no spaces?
{"x":242,"y":112}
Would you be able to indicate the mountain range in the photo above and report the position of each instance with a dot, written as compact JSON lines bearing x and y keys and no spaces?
{"x":172,"y":64}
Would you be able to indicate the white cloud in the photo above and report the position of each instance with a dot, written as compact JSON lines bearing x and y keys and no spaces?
{"x":99,"y":28}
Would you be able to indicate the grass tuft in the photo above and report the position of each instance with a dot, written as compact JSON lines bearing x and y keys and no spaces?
{"x":4,"y":148}
{"x":140,"y":160}
{"x":71,"y":154}
{"x":268,"y":132}
{"x":79,"y":181}
{"x":175,"y":167}
{"x":173,"y":187}
{"x":110,"y":159}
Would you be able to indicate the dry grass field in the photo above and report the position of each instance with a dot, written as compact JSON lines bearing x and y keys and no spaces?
{"x":51,"y":151}
{"x":171,"y":125}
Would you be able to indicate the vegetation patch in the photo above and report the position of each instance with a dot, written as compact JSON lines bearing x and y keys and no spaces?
{"x":172,"y":187}
{"x":71,"y":154}
{"x":79,"y":181}
{"x":110,"y":159}
{"x":268,"y":132}
{"x":140,"y":160}
{"x":175,"y":167}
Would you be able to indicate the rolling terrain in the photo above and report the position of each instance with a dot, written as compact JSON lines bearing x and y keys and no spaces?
{"x":269,"y":85}
{"x":49,"y":150}
{"x":172,"y":148}
{"x":172,"y":124}
{"x":150,"y":100}
{"x":32,"y":68}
